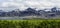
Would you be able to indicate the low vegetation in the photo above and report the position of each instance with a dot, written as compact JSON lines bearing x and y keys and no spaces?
{"x":29,"y":23}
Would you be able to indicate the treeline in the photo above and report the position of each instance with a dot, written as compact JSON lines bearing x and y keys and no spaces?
{"x":30,"y":24}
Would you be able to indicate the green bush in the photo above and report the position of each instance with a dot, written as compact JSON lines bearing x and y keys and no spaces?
{"x":30,"y":24}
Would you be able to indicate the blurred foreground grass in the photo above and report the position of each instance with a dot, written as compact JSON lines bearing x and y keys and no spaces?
{"x":30,"y":23}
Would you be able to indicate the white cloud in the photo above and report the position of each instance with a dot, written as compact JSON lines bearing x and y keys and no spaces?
{"x":40,"y":4}
{"x":23,"y":4}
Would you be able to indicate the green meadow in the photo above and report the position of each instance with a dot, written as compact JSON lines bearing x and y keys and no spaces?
{"x":30,"y":23}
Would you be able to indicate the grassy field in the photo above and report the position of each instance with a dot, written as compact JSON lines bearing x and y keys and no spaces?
{"x":30,"y":23}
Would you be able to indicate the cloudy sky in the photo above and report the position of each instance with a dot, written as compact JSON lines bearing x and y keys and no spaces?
{"x":23,"y":4}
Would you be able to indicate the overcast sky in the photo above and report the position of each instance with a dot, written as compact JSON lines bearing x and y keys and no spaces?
{"x":23,"y":4}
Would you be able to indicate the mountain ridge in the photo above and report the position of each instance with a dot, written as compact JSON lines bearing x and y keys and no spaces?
{"x":32,"y":12}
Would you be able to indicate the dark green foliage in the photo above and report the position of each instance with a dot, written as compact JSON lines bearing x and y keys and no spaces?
{"x":29,"y":24}
{"x":6,"y":24}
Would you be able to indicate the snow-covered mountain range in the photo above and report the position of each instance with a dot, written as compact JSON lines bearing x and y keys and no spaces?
{"x":53,"y":12}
